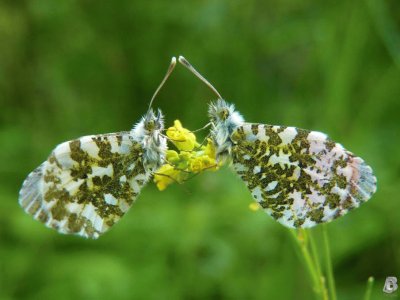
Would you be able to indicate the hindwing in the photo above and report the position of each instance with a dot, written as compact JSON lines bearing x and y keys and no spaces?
{"x":301,"y":178}
{"x":86,"y":185}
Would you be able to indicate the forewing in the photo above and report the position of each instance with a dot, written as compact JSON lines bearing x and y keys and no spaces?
{"x":86,"y":185}
{"x":300,"y":177}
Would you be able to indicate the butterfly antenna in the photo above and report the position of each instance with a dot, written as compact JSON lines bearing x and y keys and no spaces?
{"x":188,"y":66}
{"x":169,"y":71}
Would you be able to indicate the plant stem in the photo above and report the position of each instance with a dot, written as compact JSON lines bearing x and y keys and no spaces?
{"x":315,"y":253}
{"x":317,"y":263}
{"x":370,"y":284}
{"x":301,"y":238}
{"x":328,"y":263}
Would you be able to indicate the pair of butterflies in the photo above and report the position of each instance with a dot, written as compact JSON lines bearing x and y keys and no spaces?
{"x":299,"y":177}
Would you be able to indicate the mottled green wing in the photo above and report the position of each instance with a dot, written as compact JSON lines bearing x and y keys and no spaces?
{"x":86,"y":185}
{"x":301,"y":178}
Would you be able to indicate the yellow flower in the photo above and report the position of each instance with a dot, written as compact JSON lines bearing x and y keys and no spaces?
{"x":196,"y":165}
{"x":209,"y":163}
{"x":181,"y":164}
{"x":184,"y":160}
{"x":210,"y":149}
{"x":185,"y":155}
{"x":182,"y":138}
{"x":209,"y":159}
{"x":166,"y":175}
{"x":172,"y":156}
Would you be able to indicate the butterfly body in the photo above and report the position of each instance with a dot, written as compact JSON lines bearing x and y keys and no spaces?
{"x":224,"y":120}
{"x":300,"y":177}
{"x":86,"y":185}
{"x":148,"y":134}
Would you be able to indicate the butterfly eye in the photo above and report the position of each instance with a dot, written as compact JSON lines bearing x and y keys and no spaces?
{"x":224,"y":114}
{"x":150,"y":125}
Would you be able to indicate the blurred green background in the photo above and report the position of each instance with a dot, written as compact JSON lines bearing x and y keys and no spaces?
{"x":71,"y":68}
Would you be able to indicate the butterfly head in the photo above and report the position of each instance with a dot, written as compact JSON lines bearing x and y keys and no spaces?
{"x":150,"y":126}
{"x":221,"y":112}
{"x":153,"y":122}
{"x":224,"y":120}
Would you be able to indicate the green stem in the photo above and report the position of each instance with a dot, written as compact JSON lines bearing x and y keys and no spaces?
{"x":315,"y":253}
{"x":328,"y":263}
{"x":317,"y":263}
{"x":301,"y":238}
{"x":370,"y":284}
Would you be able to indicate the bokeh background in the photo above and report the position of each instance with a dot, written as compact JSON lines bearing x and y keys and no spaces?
{"x":70,"y":68}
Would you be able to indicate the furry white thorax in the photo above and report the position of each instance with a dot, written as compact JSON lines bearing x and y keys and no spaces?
{"x":148,"y":133}
{"x":224,"y":120}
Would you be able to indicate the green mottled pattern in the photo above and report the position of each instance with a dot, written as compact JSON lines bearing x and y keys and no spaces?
{"x":300,"y":177}
{"x":87,"y":184}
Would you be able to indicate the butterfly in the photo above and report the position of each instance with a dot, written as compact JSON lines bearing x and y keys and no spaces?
{"x":87,"y":184}
{"x":299,"y":177}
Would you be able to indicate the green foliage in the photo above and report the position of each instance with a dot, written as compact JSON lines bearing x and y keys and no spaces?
{"x":71,"y":68}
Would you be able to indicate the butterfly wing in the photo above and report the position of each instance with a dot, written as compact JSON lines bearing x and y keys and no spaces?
{"x":86,"y":185}
{"x":301,"y":178}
